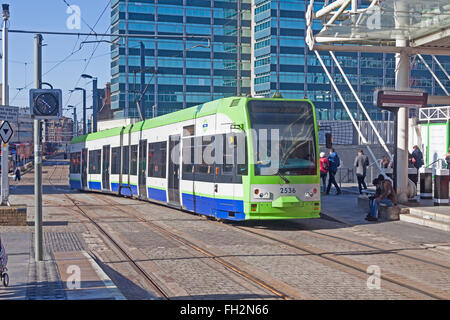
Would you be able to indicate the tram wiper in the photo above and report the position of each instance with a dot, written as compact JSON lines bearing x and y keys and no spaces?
{"x":282,"y":177}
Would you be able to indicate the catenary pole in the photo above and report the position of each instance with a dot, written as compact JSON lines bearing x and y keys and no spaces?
{"x":5,"y":95}
{"x":402,"y":84}
{"x":38,"y":154}
{"x":94,"y":104}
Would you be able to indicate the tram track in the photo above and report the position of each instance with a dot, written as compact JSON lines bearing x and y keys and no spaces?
{"x":228,"y":266}
{"x":134,"y":264}
{"x":344,"y":264}
{"x":417,"y":288}
{"x":361,"y":268}
{"x":354,"y":267}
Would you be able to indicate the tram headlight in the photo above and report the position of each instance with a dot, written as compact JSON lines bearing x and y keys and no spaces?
{"x":311,"y":194}
{"x":261,"y":194}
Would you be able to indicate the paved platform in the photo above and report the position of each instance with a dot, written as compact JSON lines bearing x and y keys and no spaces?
{"x":55,"y":277}
{"x":84,"y":278}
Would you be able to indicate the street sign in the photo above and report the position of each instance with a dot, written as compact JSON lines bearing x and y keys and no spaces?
{"x":8,"y":113}
{"x":6,"y":132}
{"x":391,"y":100}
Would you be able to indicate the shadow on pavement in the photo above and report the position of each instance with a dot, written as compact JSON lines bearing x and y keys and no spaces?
{"x":47,"y":189}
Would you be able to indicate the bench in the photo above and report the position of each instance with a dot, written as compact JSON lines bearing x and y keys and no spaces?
{"x":368,"y":192}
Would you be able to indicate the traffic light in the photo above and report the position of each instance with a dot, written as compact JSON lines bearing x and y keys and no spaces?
{"x":46,"y":103}
{"x":328,"y":140}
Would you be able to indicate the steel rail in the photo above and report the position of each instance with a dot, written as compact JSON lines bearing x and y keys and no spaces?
{"x":190,"y":244}
{"x":390,"y":277}
{"x":133,"y":263}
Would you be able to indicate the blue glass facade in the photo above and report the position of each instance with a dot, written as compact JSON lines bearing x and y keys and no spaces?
{"x":189,"y":71}
{"x":270,"y":47}
{"x":283,"y":63}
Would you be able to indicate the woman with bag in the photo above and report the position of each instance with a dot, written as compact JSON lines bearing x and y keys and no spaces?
{"x":324,"y":168}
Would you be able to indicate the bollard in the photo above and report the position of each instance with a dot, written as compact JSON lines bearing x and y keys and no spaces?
{"x":441,"y":180}
{"x":426,"y":183}
{"x":413,"y":175}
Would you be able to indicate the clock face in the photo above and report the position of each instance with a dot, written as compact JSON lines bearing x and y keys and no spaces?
{"x":46,"y":104}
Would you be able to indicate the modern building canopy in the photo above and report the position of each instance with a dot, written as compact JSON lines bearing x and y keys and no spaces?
{"x":424,"y":23}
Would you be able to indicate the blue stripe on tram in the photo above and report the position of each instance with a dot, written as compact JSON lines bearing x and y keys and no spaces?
{"x":157,"y":194}
{"x":95,"y":185}
{"x":75,"y":184}
{"x":217,"y":207}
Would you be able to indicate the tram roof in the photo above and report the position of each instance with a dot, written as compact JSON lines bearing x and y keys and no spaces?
{"x":181,"y":115}
{"x":425,"y":23}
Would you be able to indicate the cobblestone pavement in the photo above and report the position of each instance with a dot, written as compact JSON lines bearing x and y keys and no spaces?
{"x":189,"y":274}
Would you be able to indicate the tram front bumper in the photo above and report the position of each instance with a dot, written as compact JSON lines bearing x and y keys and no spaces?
{"x":284,"y":208}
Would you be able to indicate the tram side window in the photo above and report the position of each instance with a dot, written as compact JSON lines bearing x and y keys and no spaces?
{"x":188,"y":155}
{"x":189,"y":131}
{"x":242,"y":155}
{"x":125,"y":159}
{"x":157,"y":159}
{"x":115,"y":160}
{"x":75,"y":162}
{"x":228,"y":154}
{"x":95,"y":157}
{"x":134,"y":160}
{"x":207,"y":165}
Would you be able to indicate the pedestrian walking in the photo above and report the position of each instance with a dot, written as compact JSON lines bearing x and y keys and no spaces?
{"x":335,"y":162}
{"x":324,"y":168}
{"x":17,"y":173}
{"x":361,"y":163}
{"x":417,"y":158}
{"x":447,"y":158}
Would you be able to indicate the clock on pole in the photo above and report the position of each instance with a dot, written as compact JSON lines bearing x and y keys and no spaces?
{"x":46,"y":103}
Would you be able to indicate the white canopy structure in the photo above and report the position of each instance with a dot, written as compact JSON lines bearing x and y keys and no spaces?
{"x":403,"y":27}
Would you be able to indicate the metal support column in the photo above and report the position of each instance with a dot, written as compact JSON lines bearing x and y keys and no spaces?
{"x":5,"y":95}
{"x":38,"y":155}
{"x":94,"y":105}
{"x":402,"y":84}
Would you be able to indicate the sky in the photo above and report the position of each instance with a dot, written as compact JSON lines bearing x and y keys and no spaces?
{"x":63,"y":60}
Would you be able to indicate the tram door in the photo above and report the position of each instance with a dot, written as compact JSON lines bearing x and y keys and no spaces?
{"x":142,"y":181}
{"x":105,"y":167}
{"x":84,"y":153}
{"x":174,"y":170}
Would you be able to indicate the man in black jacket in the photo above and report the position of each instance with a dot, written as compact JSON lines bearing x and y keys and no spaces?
{"x":417,"y":158}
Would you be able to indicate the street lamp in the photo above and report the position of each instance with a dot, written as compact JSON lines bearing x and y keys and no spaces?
{"x":94,"y":100}
{"x":75,"y":123}
{"x":84,"y":107}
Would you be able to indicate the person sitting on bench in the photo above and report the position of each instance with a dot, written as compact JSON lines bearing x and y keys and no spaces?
{"x":384,"y":193}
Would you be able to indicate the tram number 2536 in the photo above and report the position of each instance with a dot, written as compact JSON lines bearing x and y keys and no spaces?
{"x":287,"y":190}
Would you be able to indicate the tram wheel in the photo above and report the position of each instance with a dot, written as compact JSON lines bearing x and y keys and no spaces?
{"x":5,"y":279}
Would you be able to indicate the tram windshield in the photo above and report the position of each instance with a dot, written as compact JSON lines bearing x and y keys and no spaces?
{"x":283,"y":137}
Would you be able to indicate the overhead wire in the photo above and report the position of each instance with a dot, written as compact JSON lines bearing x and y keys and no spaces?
{"x":74,"y":51}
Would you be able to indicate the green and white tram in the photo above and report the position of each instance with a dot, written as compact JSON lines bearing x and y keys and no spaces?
{"x":236,"y":158}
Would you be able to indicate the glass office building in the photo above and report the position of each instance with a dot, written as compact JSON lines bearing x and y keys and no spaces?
{"x":182,"y":71}
{"x":263,"y":46}
{"x":283,"y":63}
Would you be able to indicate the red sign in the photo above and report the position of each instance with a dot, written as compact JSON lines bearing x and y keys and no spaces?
{"x":392,"y":99}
